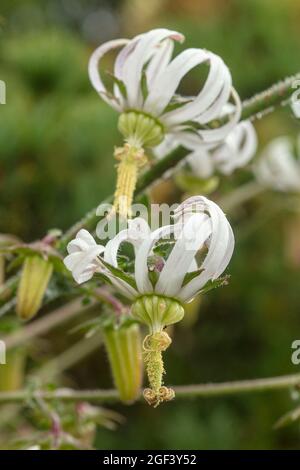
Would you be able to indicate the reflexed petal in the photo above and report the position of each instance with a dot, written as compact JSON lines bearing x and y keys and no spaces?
{"x":136,"y":233}
{"x":134,"y":63}
{"x":218,"y":134}
{"x":167,"y":81}
{"x":94,"y":73}
{"x":83,"y":264}
{"x":220,"y":245}
{"x":191,"y":239}
{"x":83,"y":241}
{"x":159,"y":61}
{"x":238,"y":149}
{"x":141,"y":260}
{"x":218,"y":78}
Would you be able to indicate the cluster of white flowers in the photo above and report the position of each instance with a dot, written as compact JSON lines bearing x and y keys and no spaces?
{"x":199,"y":224}
{"x":175,"y":262}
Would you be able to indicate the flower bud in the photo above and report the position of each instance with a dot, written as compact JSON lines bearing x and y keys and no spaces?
{"x":35,"y":277}
{"x":124,"y":348}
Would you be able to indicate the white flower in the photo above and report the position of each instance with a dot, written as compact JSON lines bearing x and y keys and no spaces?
{"x":82,"y":259}
{"x":237,"y":149}
{"x":146,"y":79}
{"x":199,"y":225}
{"x":279,"y":167}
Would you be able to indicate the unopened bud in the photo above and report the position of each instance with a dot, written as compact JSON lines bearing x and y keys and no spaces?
{"x":124,"y":348}
{"x":35,"y":277}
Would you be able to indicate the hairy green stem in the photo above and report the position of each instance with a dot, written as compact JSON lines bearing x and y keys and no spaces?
{"x":185,"y":391}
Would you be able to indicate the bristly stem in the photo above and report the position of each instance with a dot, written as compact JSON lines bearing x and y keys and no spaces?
{"x":185,"y":391}
{"x":253,"y":108}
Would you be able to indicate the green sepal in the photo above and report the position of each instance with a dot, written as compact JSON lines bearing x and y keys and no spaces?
{"x":124,"y":347}
{"x":157,"y":311}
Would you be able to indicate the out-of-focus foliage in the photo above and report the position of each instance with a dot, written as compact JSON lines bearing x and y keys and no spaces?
{"x":56,"y":147}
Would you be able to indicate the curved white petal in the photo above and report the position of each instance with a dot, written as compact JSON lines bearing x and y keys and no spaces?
{"x":191,"y":239}
{"x":238,"y":149}
{"x":218,"y":78}
{"x":94,"y":73}
{"x":220,"y":133}
{"x":145,"y":46}
{"x":141,"y":260}
{"x":83,"y":264}
{"x":137,"y":231}
{"x":220,"y":244}
{"x":82,"y":260}
{"x":166,"y":82}
{"x":82,"y":241}
{"x":159,"y":61}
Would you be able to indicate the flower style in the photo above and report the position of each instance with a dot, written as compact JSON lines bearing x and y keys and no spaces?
{"x":279,"y":166}
{"x":172,"y":265}
{"x":146,"y":79}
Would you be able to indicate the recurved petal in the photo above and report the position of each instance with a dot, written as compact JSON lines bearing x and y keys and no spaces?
{"x":218,"y":78}
{"x":191,"y":239}
{"x":82,"y":242}
{"x":218,"y":134}
{"x":145,"y":48}
{"x":136,"y":233}
{"x":166,"y":82}
{"x":95,"y":75}
{"x":141,"y":260}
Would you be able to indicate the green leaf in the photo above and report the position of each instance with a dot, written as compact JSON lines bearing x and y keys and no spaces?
{"x":221,"y":281}
{"x":118,"y":273}
{"x":189,"y":276}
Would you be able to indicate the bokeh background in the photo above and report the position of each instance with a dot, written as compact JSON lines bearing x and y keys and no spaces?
{"x":56,"y":145}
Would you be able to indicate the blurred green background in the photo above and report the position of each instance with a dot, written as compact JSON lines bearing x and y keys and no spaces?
{"x":56,"y":146}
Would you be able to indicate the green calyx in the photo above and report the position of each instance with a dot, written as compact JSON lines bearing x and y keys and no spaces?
{"x":124,"y":348}
{"x":157,"y":311}
{"x":140,"y":129}
{"x":35,"y":277}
